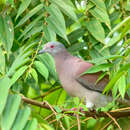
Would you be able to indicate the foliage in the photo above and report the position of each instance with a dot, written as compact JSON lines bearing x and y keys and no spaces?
{"x":96,"y":30}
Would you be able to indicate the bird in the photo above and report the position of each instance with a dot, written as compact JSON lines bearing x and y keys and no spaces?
{"x":70,"y":68}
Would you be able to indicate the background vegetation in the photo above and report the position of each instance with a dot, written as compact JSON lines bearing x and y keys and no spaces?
{"x":31,"y":97}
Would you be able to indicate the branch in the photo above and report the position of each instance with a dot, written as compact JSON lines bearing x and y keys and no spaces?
{"x":116,"y":114}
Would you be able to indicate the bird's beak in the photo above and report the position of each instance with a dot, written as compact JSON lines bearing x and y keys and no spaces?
{"x":41,"y":51}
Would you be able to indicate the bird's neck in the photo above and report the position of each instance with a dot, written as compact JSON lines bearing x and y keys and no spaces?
{"x":60,"y":59}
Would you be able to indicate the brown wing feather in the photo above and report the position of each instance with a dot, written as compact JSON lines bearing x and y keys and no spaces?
{"x":89,"y":81}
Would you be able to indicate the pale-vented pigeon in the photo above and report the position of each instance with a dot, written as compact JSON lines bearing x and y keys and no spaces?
{"x":69,"y":69}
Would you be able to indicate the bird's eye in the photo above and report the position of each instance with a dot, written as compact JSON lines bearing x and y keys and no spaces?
{"x":52,"y":46}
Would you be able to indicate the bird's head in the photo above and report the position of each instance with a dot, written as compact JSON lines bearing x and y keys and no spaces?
{"x":53,"y":48}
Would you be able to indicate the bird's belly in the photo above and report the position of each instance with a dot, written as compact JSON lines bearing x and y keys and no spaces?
{"x":72,"y":87}
{"x":92,"y":98}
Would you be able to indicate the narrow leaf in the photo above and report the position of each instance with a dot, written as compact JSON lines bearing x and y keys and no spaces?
{"x":34,"y":74}
{"x":97,"y":68}
{"x":66,"y":7}
{"x":41,"y":68}
{"x":6,"y":32}
{"x":31,"y":125}
{"x":10,"y":111}
{"x":122,"y":85}
{"x":4,"y":86}
{"x":21,"y":119}
{"x":100,"y":4}
{"x":96,"y":29}
{"x":30,"y":14}
{"x":123,"y":23}
{"x":23,"y":7}
{"x":56,"y":21}
{"x":17,"y":75}
{"x":102,"y":16}
{"x":122,"y":71}
{"x":2,"y":62}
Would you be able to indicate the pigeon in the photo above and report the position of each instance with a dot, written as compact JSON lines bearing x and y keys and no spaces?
{"x":70,"y":68}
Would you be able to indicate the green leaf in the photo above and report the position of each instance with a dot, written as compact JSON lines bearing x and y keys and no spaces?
{"x":122,"y":71}
{"x":76,"y":34}
{"x":21,"y":59}
{"x":4,"y":86}
{"x":48,"y":60}
{"x":47,"y":127}
{"x":112,"y":41}
{"x":122,"y":85}
{"x":121,"y":24}
{"x":62,"y":97}
{"x":50,"y":35}
{"x":96,"y":29}
{"x":56,"y":21}
{"x":17,"y":74}
{"x":10,"y":111}
{"x":23,"y":7}
{"x":99,"y":60}
{"x":67,"y":7}
{"x":41,"y":68}
{"x":76,"y":47}
{"x":34,"y":74}
{"x":102,"y":16}
{"x":67,"y":121}
{"x":34,"y":30}
{"x":31,"y":125}
{"x":97,"y":68}
{"x":30,"y":14}
{"x":30,"y":26}
{"x":100,"y":4}
{"x":2,"y":62}
{"x":21,"y":119}
{"x":6,"y":32}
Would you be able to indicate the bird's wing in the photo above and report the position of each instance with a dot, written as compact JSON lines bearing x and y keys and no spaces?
{"x":89,"y":81}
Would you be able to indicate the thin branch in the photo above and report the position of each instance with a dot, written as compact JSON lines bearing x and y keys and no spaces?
{"x":78,"y":121}
{"x":53,"y":110}
{"x":52,"y":121}
{"x":46,"y":118}
{"x":86,"y":119}
{"x":121,"y":109}
{"x":113,"y":120}
{"x":115,"y":114}
{"x":106,"y":125}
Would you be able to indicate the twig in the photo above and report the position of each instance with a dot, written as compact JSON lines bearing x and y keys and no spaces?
{"x":81,"y":121}
{"x":78,"y":121}
{"x":106,"y":125}
{"x":61,"y":125}
{"x":113,"y":120}
{"x":36,"y":52}
{"x":55,"y":114}
{"x":52,"y":121}
{"x":46,"y":118}
{"x":121,"y":109}
{"x":51,"y":108}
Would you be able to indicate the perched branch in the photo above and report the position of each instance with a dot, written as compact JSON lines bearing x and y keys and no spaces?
{"x":123,"y":112}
